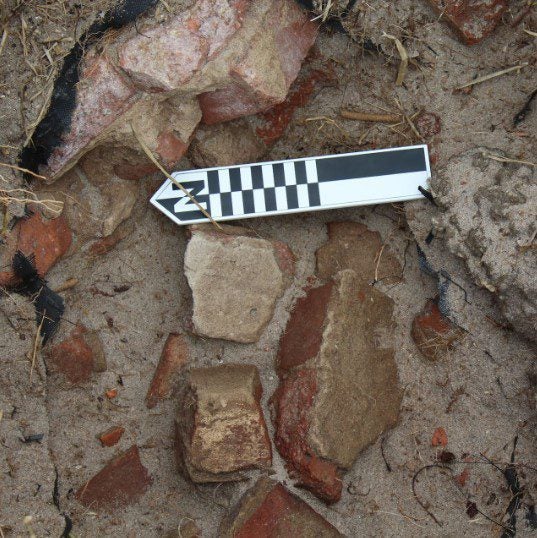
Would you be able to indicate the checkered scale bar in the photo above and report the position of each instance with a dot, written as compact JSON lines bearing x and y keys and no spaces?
{"x":296,"y":185}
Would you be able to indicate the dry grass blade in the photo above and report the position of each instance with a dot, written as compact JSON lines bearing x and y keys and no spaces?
{"x":24,"y":170}
{"x":403,"y":66}
{"x":25,"y":196}
{"x":501,"y":159}
{"x":152,"y":158}
{"x":366,"y":116}
{"x":36,"y":346}
{"x":484,"y":78}
{"x":529,"y":32}
{"x":325,"y":11}
{"x":3,"y":41}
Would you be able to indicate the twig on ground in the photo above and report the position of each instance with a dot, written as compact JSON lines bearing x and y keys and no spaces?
{"x":501,"y":159}
{"x":24,"y":170}
{"x":388,"y":466}
{"x":152,"y":158}
{"x":419,"y":501}
{"x":25,"y":196}
{"x":36,"y":345}
{"x":484,"y":78}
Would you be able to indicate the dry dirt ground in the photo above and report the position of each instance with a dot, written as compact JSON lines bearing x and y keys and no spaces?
{"x":483,"y":393}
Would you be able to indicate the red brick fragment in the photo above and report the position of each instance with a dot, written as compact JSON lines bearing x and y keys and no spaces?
{"x":269,"y":510}
{"x":303,"y":334}
{"x":292,"y":402}
{"x":47,"y":240}
{"x":433,"y":333}
{"x":276,"y":120}
{"x":77,"y":356}
{"x":472,"y":20}
{"x":111,"y":436}
{"x":173,"y":359}
{"x":462,"y":478}
{"x":439,"y":438}
{"x":170,"y":148}
{"x":120,"y":483}
{"x":111,"y":394}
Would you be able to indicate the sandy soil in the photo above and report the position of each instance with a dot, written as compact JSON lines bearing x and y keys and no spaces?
{"x":483,"y":394}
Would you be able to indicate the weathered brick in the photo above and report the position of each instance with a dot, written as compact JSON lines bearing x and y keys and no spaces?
{"x":235,"y":280}
{"x":269,"y":510}
{"x":293,"y":403}
{"x":303,"y":334}
{"x":166,"y":56}
{"x":352,"y":245}
{"x":47,"y":240}
{"x":170,"y":148}
{"x":163,"y":57}
{"x":173,"y":359}
{"x":120,"y":483}
{"x":225,"y":144}
{"x":220,"y":428}
{"x":331,"y":360}
{"x":472,"y":20}
{"x":433,"y":333}
{"x":78,"y":356}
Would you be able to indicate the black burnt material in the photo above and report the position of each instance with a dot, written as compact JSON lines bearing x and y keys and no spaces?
{"x":49,"y":306}
{"x":57,"y":121}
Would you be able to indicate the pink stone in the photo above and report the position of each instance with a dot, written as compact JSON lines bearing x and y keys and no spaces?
{"x":104,"y":94}
{"x":255,"y":84}
{"x":217,"y":21}
{"x":164,"y":57}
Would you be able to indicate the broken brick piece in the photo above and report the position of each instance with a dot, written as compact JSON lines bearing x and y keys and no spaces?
{"x":352,"y":245}
{"x":269,"y":510}
{"x":236,"y":279}
{"x":472,"y":20}
{"x":47,"y":240}
{"x":120,"y":483}
{"x":111,"y":436}
{"x":220,"y":426}
{"x":439,"y":438}
{"x":433,"y":333}
{"x":77,"y":356}
{"x":173,"y":359}
{"x":293,"y":402}
{"x":262,"y":76}
{"x":331,"y":358}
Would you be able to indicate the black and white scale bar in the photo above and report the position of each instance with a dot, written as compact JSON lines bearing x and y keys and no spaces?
{"x":297,"y":185}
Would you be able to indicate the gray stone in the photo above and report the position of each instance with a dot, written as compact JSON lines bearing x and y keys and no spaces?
{"x":489,"y":220}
